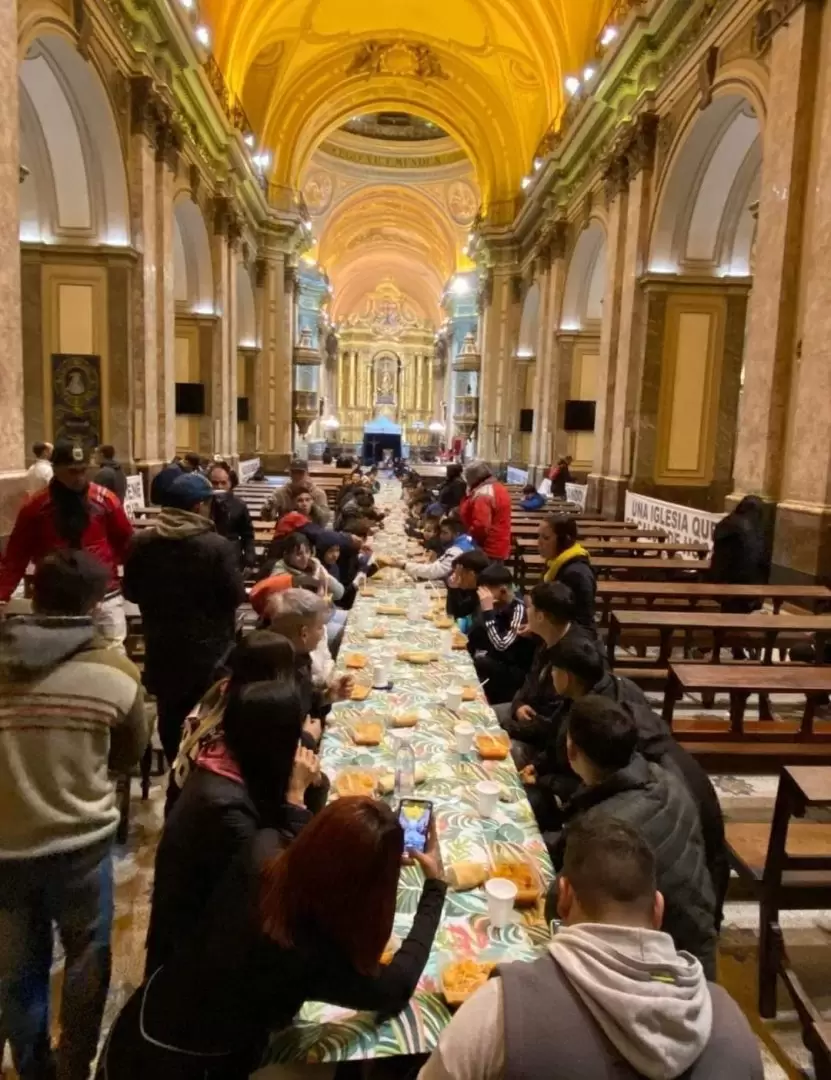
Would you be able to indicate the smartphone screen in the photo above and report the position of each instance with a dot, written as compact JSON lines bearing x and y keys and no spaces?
{"x":415,"y":816}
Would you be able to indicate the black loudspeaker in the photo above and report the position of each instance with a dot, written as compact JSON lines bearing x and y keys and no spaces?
{"x":190,"y":399}
{"x":526,"y":421}
{"x":579,"y":415}
{"x":242,"y":410}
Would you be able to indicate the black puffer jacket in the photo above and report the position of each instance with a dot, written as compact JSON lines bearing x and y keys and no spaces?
{"x":111,"y":475}
{"x":656,"y":803}
{"x":232,"y":519}
{"x":538,"y":692}
{"x":452,"y":492}
{"x":579,"y":576}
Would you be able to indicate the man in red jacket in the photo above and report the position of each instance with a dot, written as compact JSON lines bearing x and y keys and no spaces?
{"x":72,"y":513}
{"x":486,"y":511}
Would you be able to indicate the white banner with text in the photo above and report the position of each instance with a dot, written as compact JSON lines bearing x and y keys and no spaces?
{"x":134,"y":495}
{"x":516,"y":476}
{"x":247,"y":469}
{"x":576,"y":493}
{"x":683,"y":524}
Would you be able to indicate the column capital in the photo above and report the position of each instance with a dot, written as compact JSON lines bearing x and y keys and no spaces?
{"x":150,"y":114}
{"x":227,"y":220}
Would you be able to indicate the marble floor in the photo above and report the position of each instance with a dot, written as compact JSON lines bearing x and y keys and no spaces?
{"x":746,"y":798}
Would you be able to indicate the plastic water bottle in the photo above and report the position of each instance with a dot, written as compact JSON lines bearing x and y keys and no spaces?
{"x":404,"y":768}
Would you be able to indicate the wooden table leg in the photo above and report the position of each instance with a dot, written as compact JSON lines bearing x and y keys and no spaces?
{"x":738,"y":702}
{"x":671,"y":694}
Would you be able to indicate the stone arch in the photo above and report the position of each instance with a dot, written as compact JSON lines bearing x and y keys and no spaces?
{"x":67,"y":126}
{"x":192,"y":268}
{"x":703,"y":221}
{"x":586,"y":281}
{"x":246,"y":309}
{"x":529,"y":325}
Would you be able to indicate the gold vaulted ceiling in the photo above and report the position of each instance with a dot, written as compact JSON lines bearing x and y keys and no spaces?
{"x":489,"y":72}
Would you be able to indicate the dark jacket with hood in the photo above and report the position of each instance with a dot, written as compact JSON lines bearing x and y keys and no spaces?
{"x":656,"y":803}
{"x":187,"y":583}
{"x":70,"y":710}
{"x":111,"y":475}
{"x":578,"y":575}
{"x":538,"y":691}
{"x":741,"y":555}
{"x":452,"y":492}
{"x":232,"y":519}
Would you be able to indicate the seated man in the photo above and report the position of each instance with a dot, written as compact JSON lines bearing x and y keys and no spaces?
{"x":501,"y":652}
{"x":620,"y":783}
{"x":579,"y":670}
{"x":528,"y":719}
{"x":462,"y":586}
{"x":611,"y":996}
{"x":455,"y":541}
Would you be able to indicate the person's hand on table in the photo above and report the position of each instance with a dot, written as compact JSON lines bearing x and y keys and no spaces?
{"x":528,"y":775}
{"x":430,"y":861}
{"x":525,"y":714}
{"x":306,"y":771}
{"x":341,"y":689}
{"x":485,"y":598}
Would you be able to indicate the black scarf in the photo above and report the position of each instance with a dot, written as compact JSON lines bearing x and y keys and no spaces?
{"x":72,"y":512}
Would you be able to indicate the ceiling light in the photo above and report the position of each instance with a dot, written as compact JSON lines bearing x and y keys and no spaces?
{"x":436,"y":426}
{"x":538,"y":164}
{"x":186,"y":4}
{"x":249,"y":140}
{"x":460,"y":286}
{"x":307,"y":225}
{"x":589,"y":73}
{"x":608,"y":35}
{"x":572,"y":85}
{"x":525,"y":183}
{"x":203,"y":35}
{"x":262,"y":161}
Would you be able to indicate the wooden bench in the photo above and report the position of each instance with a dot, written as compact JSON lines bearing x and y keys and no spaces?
{"x":724,"y":629}
{"x":740,"y":681}
{"x":530,"y":568}
{"x":625,"y":545}
{"x":788,"y":867}
{"x":681,"y":595}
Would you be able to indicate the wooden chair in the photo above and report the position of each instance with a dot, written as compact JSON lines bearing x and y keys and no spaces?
{"x":788,"y":868}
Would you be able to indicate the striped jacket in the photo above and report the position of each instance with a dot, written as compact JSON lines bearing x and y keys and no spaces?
{"x":70,"y":712}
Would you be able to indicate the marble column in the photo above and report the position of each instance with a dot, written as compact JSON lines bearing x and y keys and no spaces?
{"x":775,"y":299}
{"x":167,"y":164}
{"x":223,"y":366}
{"x":273,"y":401}
{"x":546,"y":403}
{"x":499,"y":336}
{"x":12,"y":460}
{"x":802,"y":540}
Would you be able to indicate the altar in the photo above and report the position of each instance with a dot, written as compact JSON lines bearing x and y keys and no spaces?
{"x":381,"y":434}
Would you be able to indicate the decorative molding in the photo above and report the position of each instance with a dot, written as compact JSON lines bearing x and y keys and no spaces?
{"x":640,"y":146}
{"x":769,"y":18}
{"x":707,"y":69}
{"x":402,"y":58}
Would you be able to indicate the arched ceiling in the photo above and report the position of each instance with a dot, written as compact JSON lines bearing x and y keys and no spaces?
{"x":488,"y":72}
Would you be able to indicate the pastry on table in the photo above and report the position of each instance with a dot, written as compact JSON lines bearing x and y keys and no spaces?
{"x":368,"y":591}
{"x":443,"y":622}
{"x":492,"y":747}
{"x":459,"y":640}
{"x":390,"y":609}
{"x":417,"y":657}
{"x":355,"y":783}
{"x":376,"y":633}
{"x":462,"y":977}
{"x":356,"y":661}
{"x":360,"y":692}
{"x":386,"y":781}
{"x":469,"y":693}
{"x":367,"y":732}
{"x":408,"y":719}
{"x":463,"y":876}
{"x":523,"y":876}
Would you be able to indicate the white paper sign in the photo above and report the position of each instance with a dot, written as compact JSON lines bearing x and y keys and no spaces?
{"x":134,"y":496}
{"x":247,"y":469}
{"x":576,"y":493}
{"x":545,"y":487}
{"x":517,"y":476}
{"x":682,"y":524}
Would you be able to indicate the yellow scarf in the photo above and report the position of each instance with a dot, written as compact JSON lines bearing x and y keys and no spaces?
{"x":576,"y":551}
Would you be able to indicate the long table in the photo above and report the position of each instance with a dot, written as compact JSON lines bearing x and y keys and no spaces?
{"x":323,"y":1033}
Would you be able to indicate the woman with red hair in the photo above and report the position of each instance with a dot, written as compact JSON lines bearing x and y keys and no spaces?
{"x":308,"y":925}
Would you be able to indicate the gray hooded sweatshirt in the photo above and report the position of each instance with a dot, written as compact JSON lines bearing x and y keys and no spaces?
{"x":603,"y":1001}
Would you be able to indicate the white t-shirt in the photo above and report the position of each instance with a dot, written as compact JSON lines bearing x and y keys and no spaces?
{"x":38,"y":475}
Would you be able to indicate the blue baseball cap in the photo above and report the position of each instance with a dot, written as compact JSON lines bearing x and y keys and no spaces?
{"x":189,"y":490}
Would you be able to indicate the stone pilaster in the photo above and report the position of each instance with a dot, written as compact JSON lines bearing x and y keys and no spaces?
{"x":225,"y":256}
{"x":546,"y":383}
{"x":167,"y":164}
{"x":272,"y":407}
{"x":12,"y":461}
{"x":500,"y":329}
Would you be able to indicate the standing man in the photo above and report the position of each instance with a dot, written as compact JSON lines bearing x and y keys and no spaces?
{"x":282,"y":501}
{"x":486,"y":511}
{"x":72,"y":513}
{"x":186,"y":581}
{"x":110,"y":473}
{"x":39,"y":474}
{"x":71,"y":711}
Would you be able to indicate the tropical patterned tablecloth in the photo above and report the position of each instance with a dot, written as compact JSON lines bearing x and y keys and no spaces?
{"x":327,"y":1034}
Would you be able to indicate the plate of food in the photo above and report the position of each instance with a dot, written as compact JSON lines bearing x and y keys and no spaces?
{"x":356,"y":661}
{"x":417,"y":657}
{"x":493,"y":746}
{"x":461,"y":978}
{"x":523,"y":875}
{"x":367,"y":732}
{"x":356,"y":782}
{"x":408,"y":719}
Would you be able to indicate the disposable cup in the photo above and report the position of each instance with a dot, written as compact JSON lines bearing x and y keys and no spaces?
{"x":501,"y":894}
{"x":487,"y":792}
{"x":453,"y":700}
{"x":380,"y":676}
{"x":464,"y":733}
{"x":447,"y":642}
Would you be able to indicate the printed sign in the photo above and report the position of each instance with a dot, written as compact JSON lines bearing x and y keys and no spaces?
{"x":576,"y":493}
{"x":134,"y":496}
{"x":247,"y":469}
{"x":76,"y":398}
{"x":517,"y":476}
{"x":682,"y":524}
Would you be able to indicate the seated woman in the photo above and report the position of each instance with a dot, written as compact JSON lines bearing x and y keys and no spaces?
{"x":310,"y":924}
{"x":262,"y":784}
{"x":297,"y":560}
{"x":230,"y":515}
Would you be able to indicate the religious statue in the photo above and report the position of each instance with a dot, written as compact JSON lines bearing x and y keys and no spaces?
{"x":386,"y":385}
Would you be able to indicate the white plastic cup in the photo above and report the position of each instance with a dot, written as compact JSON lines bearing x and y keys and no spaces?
{"x":501,"y":894}
{"x":447,"y":642}
{"x":464,"y":733}
{"x":487,"y":792}
{"x":380,"y":677}
{"x":453,"y":699}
